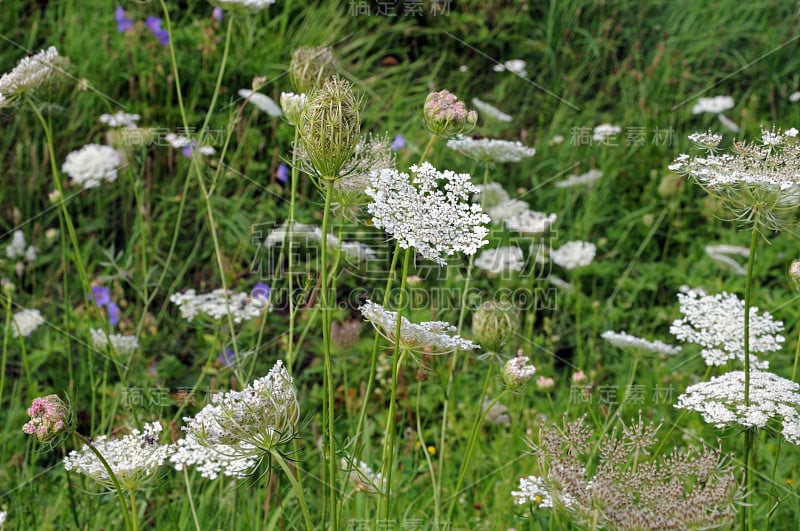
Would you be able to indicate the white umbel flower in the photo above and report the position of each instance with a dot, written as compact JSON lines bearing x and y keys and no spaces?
{"x":721,"y":254}
{"x":491,"y":111}
{"x":247,"y":5}
{"x":249,"y":423}
{"x":25,"y":322}
{"x":262,"y":101}
{"x":422,"y":216}
{"x":531,"y":222}
{"x":121,"y":344}
{"x":19,"y":249}
{"x":29,"y":74}
{"x":434,"y":335}
{"x":625,"y":340}
{"x":721,"y":401}
{"x":604,"y":131}
{"x":490,"y":149}
{"x":213,"y":459}
{"x":532,"y":490}
{"x":716,"y":323}
{"x":714,"y":105}
{"x":506,"y":210}
{"x":293,"y":105}
{"x":584,"y":179}
{"x":134,"y":458}
{"x":92,"y":164}
{"x":500,"y":260}
{"x":120,"y":119}
{"x":573,"y":254}
{"x":241,"y":306}
{"x":517,"y":371}
{"x":490,"y":194}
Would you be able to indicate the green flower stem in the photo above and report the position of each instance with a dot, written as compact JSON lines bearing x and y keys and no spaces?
{"x":397,"y":357}
{"x":330,"y":454}
{"x":6,"y":335}
{"x":223,"y":63}
{"x":747,"y":521}
{"x":296,"y":486}
{"x":134,"y":522}
{"x":428,"y":459}
{"x":471,"y":444}
{"x":288,"y":241}
{"x":191,"y":499}
{"x":117,"y":487}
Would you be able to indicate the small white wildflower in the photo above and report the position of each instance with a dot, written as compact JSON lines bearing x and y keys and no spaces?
{"x":721,"y":401}
{"x":500,"y":260}
{"x":120,"y":119}
{"x":422,"y":216}
{"x":293,"y":105}
{"x":605,"y":131}
{"x":134,"y":458}
{"x":714,"y":105}
{"x":532,"y":490}
{"x":241,"y":306}
{"x":362,"y":477}
{"x":707,"y":140}
{"x":720,"y":253}
{"x":436,"y":335}
{"x":18,"y":248}
{"x":92,"y":164}
{"x":489,"y":195}
{"x":531,"y":222}
{"x":372,"y":154}
{"x":587,"y":179}
{"x":213,"y":459}
{"x":491,"y":111}
{"x":624,"y":340}
{"x":29,"y":74}
{"x":506,"y":210}
{"x":3,"y":514}
{"x":517,"y":371}
{"x":247,"y":5}
{"x":515,"y":66}
{"x":574,"y":254}
{"x":25,"y":322}
{"x":716,"y":323}
{"x":794,"y":97}
{"x":490,"y":149}
{"x":121,"y":344}
{"x":262,"y":101}
{"x":303,"y":233}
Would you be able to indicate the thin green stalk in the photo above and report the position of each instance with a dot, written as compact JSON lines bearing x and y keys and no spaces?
{"x":134,"y":521}
{"x":428,"y":460}
{"x":6,"y":335}
{"x":471,"y":442}
{"x":191,"y":499}
{"x":288,"y":241}
{"x":298,"y":489}
{"x":222,"y":65}
{"x":390,"y":422}
{"x":747,"y":522}
{"x":117,"y":487}
{"x":326,"y":348}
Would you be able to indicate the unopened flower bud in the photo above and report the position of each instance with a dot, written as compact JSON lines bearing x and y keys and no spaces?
{"x":330,"y":127}
{"x":293,"y":105}
{"x":517,"y":372}
{"x":494,"y":324}
{"x":310,"y":67}
{"x":49,"y":418}
{"x":544,"y":383}
{"x":446,"y":116}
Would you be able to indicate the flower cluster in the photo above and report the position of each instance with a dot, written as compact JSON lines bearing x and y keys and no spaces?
{"x":716,"y":323}
{"x":494,"y":324}
{"x":310,"y":66}
{"x":584,"y":179}
{"x":293,"y":105}
{"x":500,"y":260}
{"x":120,"y":119}
{"x":247,"y":5}
{"x":721,"y":401}
{"x":18,"y":248}
{"x":219,"y":303}
{"x":604,"y":131}
{"x":25,"y":322}
{"x":262,"y":101}
{"x":714,"y":105}
{"x":211,"y":460}
{"x":573,"y":254}
{"x":529,"y":221}
{"x":422,"y":216}
{"x":249,"y":423}
{"x":532,"y":490}
{"x":29,"y":74}
{"x":434,"y":337}
{"x":518,"y":371}
{"x":306,"y":233}
{"x":491,"y":111}
{"x":92,"y":164}
{"x":490,"y":149}
{"x":446,"y":116}
{"x":624,"y":340}
{"x":49,"y":416}
{"x":121,"y":344}
{"x":372,"y":154}
{"x":134,"y":458}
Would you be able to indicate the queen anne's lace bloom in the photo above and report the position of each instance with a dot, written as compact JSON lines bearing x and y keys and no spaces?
{"x":490,"y":149}
{"x":29,"y":74}
{"x":716,"y":323}
{"x":134,"y":458}
{"x":573,"y":254}
{"x":293,"y":105}
{"x":714,"y":105}
{"x":603,"y":132}
{"x":247,"y":5}
{"x":500,"y":260}
{"x":120,"y":119}
{"x":422,"y":216}
{"x":491,"y":111}
{"x":92,"y":164}
{"x":122,"y":344}
{"x":249,"y":423}
{"x":721,"y":401}
{"x":532,"y":490}
{"x":211,"y":460}
{"x":434,"y":335}
{"x":18,"y":248}
{"x":588,"y":178}
{"x":25,"y":322}
{"x":262,"y":101}
{"x":624,"y":340}
{"x":517,"y":371}
{"x":241,"y":306}
{"x":530,"y":222}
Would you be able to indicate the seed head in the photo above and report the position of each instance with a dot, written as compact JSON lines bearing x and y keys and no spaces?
{"x":311,"y":66}
{"x":494,"y":324}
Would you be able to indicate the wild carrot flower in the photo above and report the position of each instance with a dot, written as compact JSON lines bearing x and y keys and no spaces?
{"x":24,"y":322}
{"x":262,"y":101}
{"x":373,"y":153}
{"x":120,"y":119}
{"x":500,"y":260}
{"x":490,"y":149}
{"x":518,"y":371}
{"x":310,"y":67}
{"x":604,"y":132}
{"x":446,"y":116}
{"x":721,"y":401}
{"x":92,"y":164}
{"x":422,"y":216}
{"x":573,"y":254}
{"x":526,"y":221}
{"x":494,"y":325}
{"x":293,"y":105}
{"x":716,"y":323}
{"x":721,"y":254}
{"x":625,"y":340}
{"x":490,"y":111}
{"x":246,"y":5}
{"x":218,"y":304}
{"x":121,"y":344}
{"x":30,"y":74}
{"x":50,"y":417}
{"x":584,"y":179}
{"x":19,"y":249}
{"x":714,"y":105}
{"x":134,"y":458}
{"x":532,"y":490}
{"x":432,"y":337}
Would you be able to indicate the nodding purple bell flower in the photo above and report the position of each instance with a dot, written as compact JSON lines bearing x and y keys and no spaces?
{"x":217,"y":14}
{"x":123,"y":22}
{"x":154,"y":25}
{"x":260,"y":291}
{"x":102,"y":297}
